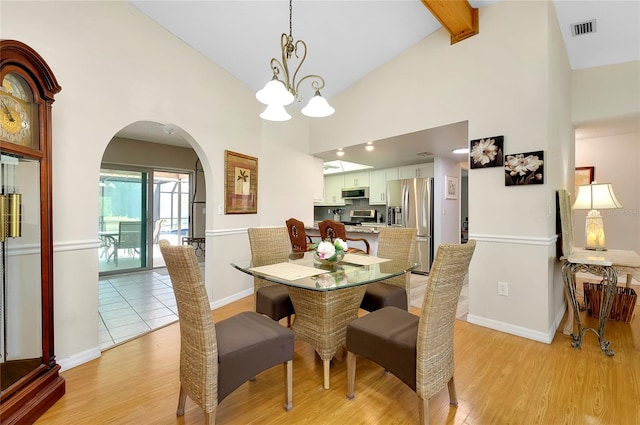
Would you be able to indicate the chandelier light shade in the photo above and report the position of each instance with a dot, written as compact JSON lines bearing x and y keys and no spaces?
{"x":282,"y":89}
{"x":275,"y":113}
{"x":593,"y":197}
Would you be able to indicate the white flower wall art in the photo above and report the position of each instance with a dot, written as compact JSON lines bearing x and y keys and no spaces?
{"x":487,"y":152}
{"x":524,"y":168}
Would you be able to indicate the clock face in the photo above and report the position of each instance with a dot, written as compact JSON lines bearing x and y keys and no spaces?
{"x":16,"y":117}
{"x":15,"y":126}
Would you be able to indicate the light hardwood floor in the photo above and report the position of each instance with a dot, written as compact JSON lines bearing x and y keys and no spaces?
{"x":500,"y":379}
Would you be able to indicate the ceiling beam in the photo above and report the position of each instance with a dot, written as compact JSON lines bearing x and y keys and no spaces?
{"x":456,"y":16}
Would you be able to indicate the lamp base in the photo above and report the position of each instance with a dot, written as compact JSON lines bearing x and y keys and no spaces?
{"x":594,"y":231}
{"x":595,"y":249}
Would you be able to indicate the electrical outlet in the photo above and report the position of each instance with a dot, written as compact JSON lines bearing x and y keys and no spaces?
{"x":503,"y":289}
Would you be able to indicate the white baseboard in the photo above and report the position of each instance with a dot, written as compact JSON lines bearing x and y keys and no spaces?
{"x":231,"y":298}
{"x":512,"y":329}
{"x":79,"y":358}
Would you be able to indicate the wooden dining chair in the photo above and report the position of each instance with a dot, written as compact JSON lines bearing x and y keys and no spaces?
{"x":394,"y":243}
{"x":300,"y":241}
{"x":270,"y":245}
{"x":331,"y":229}
{"x":217,"y":359}
{"x":418,"y":350}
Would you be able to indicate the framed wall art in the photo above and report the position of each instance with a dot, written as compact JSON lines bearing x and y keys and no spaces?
{"x":522,"y":169}
{"x":450,"y":187}
{"x":241,"y":183}
{"x":584,"y":175}
{"x":487,"y":152}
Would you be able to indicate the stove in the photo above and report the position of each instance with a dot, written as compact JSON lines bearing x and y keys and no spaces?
{"x":360,"y":217}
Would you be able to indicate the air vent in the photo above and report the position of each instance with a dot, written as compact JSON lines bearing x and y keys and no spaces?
{"x":583,"y":28}
{"x":425,"y":154}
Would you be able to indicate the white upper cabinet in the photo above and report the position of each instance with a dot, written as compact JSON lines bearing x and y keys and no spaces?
{"x":358,"y":179}
{"x":333,"y":184}
{"x":415,"y":171}
{"x":378,"y":185}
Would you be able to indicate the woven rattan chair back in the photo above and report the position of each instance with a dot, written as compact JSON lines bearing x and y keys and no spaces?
{"x":398,"y":243}
{"x":297,"y":235}
{"x":269,"y":245}
{"x":434,"y":363}
{"x":198,"y":345}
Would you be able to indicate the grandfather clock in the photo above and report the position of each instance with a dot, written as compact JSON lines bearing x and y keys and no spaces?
{"x":29,"y":377}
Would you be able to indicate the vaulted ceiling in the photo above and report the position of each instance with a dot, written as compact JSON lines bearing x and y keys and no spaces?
{"x":348,"y":39}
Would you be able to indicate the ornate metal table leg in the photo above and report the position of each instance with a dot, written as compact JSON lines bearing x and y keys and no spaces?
{"x":610,"y":283}
{"x":568,"y":276}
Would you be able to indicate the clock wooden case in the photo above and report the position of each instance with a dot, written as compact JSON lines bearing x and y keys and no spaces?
{"x":30,"y":375}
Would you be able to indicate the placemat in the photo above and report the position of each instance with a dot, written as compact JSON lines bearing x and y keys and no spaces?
{"x":363,"y":260}
{"x":288,"y":271}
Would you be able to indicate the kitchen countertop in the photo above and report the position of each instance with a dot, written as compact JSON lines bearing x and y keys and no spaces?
{"x":371,"y":230}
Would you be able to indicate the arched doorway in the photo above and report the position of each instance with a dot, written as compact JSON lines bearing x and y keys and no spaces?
{"x":149,"y":183}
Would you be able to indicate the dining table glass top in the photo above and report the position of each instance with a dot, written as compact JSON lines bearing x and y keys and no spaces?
{"x":303,"y":271}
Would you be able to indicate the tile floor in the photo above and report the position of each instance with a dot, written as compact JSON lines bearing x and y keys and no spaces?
{"x":133,"y":304}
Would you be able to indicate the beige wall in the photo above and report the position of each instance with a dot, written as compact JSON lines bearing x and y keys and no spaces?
{"x":606,"y":92}
{"x":116,"y":67}
{"x":502,"y":81}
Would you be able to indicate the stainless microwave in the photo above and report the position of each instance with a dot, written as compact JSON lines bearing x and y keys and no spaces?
{"x":355,"y":193}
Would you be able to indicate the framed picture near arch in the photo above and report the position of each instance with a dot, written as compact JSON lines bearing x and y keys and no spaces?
{"x":241,"y":183}
{"x":584,"y":175}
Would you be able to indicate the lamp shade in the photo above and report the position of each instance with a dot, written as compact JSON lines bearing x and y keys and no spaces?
{"x":596,"y":196}
{"x":318,"y":107}
{"x":275,"y":93}
{"x":275,"y":113}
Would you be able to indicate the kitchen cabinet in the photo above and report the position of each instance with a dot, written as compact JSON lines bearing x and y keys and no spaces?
{"x":414,"y":171}
{"x":333,"y":184}
{"x":377,"y":187}
{"x":359,"y":179}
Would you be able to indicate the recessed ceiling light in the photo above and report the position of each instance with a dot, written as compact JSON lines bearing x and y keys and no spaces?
{"x":460,"y":150}
{"x":340,"y":152}
{"x":369,"y":147}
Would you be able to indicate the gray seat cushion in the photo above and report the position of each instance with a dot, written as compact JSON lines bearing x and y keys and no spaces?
{"x":380,"y":294}
{"x":274,"y":302}
{"x":388,"y":337}
{"x":249,"y":343}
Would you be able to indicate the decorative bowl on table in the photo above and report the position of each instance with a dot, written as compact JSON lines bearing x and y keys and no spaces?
{"x":329,"y":253}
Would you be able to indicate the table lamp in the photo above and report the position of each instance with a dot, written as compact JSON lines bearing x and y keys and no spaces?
{"x":593,"y":197}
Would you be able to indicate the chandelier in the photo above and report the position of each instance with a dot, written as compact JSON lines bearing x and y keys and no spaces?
{"x":282,"y":90}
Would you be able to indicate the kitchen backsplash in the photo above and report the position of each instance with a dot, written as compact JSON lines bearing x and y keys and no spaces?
{"x":324,"y":213}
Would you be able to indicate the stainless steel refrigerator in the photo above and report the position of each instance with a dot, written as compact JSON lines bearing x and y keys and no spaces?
{"x":410,"y":204}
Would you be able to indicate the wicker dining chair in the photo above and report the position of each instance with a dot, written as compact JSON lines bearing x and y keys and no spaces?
{"x":418,"y":350}
{"x":217,"y":359}
{"x":270,"y":245}
{"x":300,"y":241}
{"x":331,"y":229}
{"x":394,"y":243}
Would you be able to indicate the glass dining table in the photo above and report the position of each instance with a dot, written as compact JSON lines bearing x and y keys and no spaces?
{"x":326,"y":298}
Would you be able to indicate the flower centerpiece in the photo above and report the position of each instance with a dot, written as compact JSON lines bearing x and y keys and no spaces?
{"x":327,"y":252}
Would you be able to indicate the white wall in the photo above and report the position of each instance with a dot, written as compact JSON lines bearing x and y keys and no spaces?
{"x":502,"y":81}
{"x":615,"y":158}
{"x":116,"y":67}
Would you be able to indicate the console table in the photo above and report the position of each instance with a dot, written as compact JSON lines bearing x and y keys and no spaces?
{"x":601,"y":263}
